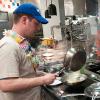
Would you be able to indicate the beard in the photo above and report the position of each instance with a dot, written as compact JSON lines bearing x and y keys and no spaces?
{"x":31,"y":35}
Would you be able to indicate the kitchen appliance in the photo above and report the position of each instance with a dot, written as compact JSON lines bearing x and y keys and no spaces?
{"x":68,"y":92}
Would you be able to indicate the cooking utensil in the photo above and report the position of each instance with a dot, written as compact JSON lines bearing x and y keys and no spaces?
{"x":73,"y":79}
{"x":70,"y":95}
{"x":75,"y":59}
{"x":93,"y":90}
{"x":60,"y":71}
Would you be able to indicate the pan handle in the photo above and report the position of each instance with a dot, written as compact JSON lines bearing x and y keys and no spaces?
{"x":60,"y":71}
{"x":69,"y":95}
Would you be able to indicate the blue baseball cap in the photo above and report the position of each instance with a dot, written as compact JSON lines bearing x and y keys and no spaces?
{"x":32,"y":10}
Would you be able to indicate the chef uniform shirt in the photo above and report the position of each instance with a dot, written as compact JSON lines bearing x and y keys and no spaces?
{"x":15,"y":63}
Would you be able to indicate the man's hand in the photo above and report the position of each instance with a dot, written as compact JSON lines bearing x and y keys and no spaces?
{"x":49,"y":78}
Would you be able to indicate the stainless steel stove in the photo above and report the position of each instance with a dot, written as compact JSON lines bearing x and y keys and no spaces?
{"x":62,"y":91}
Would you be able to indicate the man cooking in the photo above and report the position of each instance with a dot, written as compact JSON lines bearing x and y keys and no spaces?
{"x":18,"y":79}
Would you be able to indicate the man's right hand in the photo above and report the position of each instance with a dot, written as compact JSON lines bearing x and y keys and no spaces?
{"x":17,"y":84}
{"x":49,"y":78}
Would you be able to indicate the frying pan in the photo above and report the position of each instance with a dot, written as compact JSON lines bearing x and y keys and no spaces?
{"x":75,"y":58}
{"x":92,"y":91}
{"x":73,"y":78}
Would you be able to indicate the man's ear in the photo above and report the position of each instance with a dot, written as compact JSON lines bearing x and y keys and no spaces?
{"x":23,"y":19}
